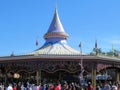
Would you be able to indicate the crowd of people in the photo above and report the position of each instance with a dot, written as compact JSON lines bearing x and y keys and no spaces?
{"x":60,"y":86}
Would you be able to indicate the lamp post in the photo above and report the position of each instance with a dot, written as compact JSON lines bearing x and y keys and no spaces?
{"x":81,"y":65}
{"x":16,"y":75}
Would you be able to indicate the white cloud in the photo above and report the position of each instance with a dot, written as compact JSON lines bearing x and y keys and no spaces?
{"x":115,"y":42}
{"x":105,"y":43}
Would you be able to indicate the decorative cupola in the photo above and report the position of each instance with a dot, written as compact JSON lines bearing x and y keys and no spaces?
{"x":56,"y":40}
{"x":56,"y":30}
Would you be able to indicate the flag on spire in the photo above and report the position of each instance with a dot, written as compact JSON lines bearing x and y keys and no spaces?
{"x":37,"y":41}
{"x":113,"y":48}
{"x":96,"y":44}
{"x":80,"y":45}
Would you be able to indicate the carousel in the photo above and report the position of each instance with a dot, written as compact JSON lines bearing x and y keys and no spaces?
{"x":56,"y":60}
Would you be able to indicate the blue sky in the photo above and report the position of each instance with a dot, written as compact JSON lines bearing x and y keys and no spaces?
{"x":21,"y":21}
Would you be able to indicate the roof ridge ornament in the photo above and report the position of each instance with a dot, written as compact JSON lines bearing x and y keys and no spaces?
{"x":56,"y":7}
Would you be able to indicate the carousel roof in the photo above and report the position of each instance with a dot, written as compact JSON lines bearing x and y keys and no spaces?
{"x":88,"y":58}
{"x":56,"y":49}
{"x":56,"y":40}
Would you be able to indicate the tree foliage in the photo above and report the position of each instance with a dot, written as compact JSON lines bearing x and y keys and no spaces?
{"x":99,"y":51}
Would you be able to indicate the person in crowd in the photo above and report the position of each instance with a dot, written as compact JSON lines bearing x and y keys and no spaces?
{"x":90,"y":87}
{"x":15,"y":86}
{"x":114,"y":86}
{"x":107,"y":86}
{"x":22,"y":87}
{"x":19,"y":86}
{"x":72,"y":86}
{"x":34,"y":87}
{"x":1,"y":86}
{"x":10,"y":87}
{"x":58,"y":86}
{"x":65,"y":86}
{"x":51,"y":87}
{"x":97,"y":87}
{"x":44,"y":87}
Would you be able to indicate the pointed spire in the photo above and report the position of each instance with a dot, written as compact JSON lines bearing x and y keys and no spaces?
{"x":56,"y":29}
{"x":56,"y":13}
{"x":12,"y":54}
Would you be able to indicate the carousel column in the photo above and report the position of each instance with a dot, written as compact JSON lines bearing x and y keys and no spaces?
{"x":5,"y":78}
{"x":118,"y":76}
{"x":94,"y":76}
{"x":59,"y":75}
{"x":5,"y":75}
{"x":38,"y":77}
